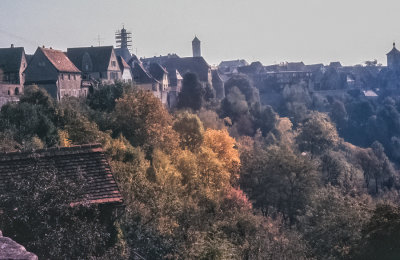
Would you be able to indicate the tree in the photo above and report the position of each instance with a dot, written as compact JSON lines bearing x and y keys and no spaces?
{"x":278,"y":180}
{"x":143,"y":120}
{"x":381,"y":235}
{"x":333,"y":222}
{"x":223,"y":146}
{"x":192,"y":94}
{"x":244,"y":84}
{"x":104,"y":97}
{"x":234,"y":105}
{"x":317,"y":134}
{"x":190,"y":129}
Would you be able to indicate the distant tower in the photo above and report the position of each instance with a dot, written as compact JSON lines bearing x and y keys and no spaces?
{"x":196,"y":47}
{"x":124,"y":44}
{"x":393,"y":58}
{"x":123,"y":39}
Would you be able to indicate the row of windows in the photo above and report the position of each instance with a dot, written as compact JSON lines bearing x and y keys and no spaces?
{"x":68,"y":76}
{"x":16,"y":92}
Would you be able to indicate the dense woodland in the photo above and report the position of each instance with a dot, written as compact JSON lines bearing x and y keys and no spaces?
{"x":212,"y":180}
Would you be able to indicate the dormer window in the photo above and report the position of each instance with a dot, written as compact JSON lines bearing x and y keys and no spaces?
{"x":113,"y":63}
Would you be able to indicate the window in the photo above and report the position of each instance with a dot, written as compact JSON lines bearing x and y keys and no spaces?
{"x":69,"y":76}
{"x":113,"y":63}
{"x":9,"y":92}
{"x":74,"y":77}
{"x":62,"y":76}
{"x":16,"y":92}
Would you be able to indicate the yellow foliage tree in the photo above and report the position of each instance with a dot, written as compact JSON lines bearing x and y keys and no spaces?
{"x":224,"y":146}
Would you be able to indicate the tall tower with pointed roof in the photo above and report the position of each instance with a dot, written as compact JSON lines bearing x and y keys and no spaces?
{"x":196,"y":47}
{"x":393,"y":58}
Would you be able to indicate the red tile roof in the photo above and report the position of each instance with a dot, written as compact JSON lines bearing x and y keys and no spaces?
{"x":86,"y":159}
{"x":59,"y":60}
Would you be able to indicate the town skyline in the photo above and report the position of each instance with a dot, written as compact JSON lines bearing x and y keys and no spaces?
{"x":310,"y":31}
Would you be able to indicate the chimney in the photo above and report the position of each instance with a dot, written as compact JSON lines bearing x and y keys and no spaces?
{"x":12,"y":45}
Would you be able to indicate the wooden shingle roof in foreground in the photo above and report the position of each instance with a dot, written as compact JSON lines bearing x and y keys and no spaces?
{"x":88,"y":160}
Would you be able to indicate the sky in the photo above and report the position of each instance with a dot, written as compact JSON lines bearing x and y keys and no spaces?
{"x":270,"y":31}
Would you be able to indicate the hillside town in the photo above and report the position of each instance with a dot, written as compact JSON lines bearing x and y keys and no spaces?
{"x":77,"y":71}
{"x":108,"y":155}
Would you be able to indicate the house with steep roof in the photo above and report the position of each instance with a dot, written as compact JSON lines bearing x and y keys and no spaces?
{"x":12,"y":65}
{"x":98,"y":64}
{"x":160,"y":74}
{"x":126,"y":73}
{"x":175,"y":86}
{"x":53,"y":70}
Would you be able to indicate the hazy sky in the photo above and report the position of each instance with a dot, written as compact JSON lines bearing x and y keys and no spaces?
{"x":270,"y":31}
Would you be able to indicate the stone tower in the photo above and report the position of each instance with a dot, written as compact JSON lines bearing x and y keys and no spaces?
{"x":196,"y":47}
{"x":393,"y":58}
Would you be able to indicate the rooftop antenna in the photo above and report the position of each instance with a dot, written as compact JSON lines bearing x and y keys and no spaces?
{"x":99,"y":39}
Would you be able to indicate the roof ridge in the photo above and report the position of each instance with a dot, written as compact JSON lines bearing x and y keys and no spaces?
{"x":52,"y":149}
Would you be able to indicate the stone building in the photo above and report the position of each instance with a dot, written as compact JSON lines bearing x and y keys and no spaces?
{"x":12,"y":65}
{"x":99,"y":65}
{"x":52,"y":70}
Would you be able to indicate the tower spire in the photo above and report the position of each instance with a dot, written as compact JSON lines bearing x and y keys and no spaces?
{"x":196,"y":47}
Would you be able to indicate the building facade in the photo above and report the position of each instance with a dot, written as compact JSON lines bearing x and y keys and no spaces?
{"x":99,"y":65}
{"x":52,"y":70}
{"x":12,"y":65}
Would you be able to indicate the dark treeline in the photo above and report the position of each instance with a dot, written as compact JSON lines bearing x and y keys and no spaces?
{"x":214,"y":180}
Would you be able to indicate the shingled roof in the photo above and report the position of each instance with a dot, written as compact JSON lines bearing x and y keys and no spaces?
{"x":10,"y":59}
{"x":196,"y":65}
{"x":141,"y":75}
{"x":59,"y":60}
{"x":89,"y":160}
{"x":394,"y":51}
{"x":157,"y":71}
{"x":122,"y":64}
{"x":100,"y":56}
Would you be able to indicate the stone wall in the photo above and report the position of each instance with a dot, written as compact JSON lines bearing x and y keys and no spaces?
{"x":11,"y":250}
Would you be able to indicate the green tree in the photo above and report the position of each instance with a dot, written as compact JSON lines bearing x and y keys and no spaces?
{"x":144,"y":121}
{"x":381,"y":235}
{"x":317,"y":134}
{"x":192,"y":94}
{"x":279,"y":180}
{"x":333,"y":222}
